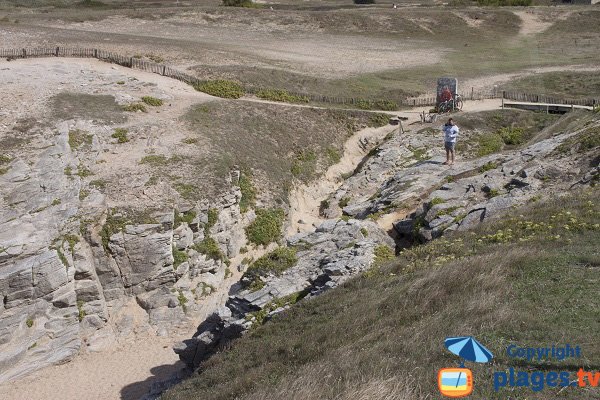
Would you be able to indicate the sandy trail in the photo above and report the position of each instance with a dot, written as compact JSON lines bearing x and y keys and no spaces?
{"x":306,"y":199}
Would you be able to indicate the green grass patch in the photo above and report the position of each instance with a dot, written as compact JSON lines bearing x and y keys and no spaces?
{"x":98,"y":184}
{"x":118,"y":219}
{"x":333,"y":154}
{"x":78,"y":138}
{"x":488,"y":166}
{"x":121,"y":135}
{"x":186,"y":217}
{"x":222,"y":88}
{"x":152,"y":101}
{"x":383,"y":254}
{"x":135,"y":107}
{"x":155,"y":160}
{"x":209,"y":247}
{"x":179,"y":257}
{"x":212,"y":218}
{"x":83,"y":171}
{"x":266,"y":228}
{"x":582,"y":142}
{"x":248,"y":199}
{"x":273,"y":263}
{"x":280,"y":95}
{"x":304,"y":165}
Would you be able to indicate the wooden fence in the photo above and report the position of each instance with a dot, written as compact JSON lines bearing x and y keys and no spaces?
{"x":164,"y":70}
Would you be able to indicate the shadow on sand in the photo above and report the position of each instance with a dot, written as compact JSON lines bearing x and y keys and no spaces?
{"x":163,"y":377}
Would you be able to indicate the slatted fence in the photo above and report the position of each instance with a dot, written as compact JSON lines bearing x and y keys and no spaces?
{"x":165,"y":70}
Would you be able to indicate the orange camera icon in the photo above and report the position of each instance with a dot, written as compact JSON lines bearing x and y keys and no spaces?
{"x":455,"y":382}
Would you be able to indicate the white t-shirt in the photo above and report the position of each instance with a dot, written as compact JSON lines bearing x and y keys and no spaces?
{"x":450,"y":133}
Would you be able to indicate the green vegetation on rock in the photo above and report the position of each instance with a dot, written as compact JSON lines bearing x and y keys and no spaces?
{"x":121,"y":135}
{"x":78,"y":138}
{"x":248,"y":199}
{"x":152,"y":101}
{"x":273,"y":263}
{"x":210,"y":248}
{"x":266,"y":228}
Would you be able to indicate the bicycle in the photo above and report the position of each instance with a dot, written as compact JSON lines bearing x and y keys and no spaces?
{"x":451,"y":105}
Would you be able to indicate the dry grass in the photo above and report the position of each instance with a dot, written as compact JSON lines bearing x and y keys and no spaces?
{"x":380,"y":336}
{"x":479,"y":131}
{"x":265,"y":139}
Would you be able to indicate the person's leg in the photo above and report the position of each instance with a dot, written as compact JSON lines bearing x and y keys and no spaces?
{"x":447,"y":154}
{"x":452,"y":154}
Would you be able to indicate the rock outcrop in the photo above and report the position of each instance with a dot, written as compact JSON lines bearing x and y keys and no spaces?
{"x":69,"y":263}
{"x":329,"y":256}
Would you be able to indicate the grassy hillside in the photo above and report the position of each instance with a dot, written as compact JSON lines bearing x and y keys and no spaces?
{"x":530,"y":279}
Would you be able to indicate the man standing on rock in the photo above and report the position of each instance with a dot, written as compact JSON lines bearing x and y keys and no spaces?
{"x":450,"y":135}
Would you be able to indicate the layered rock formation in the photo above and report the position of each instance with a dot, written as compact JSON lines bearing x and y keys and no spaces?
{"x":326,"y":258}
{"x":72,"y":268}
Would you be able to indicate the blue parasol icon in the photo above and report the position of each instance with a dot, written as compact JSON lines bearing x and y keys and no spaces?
{"x":466,"y":347}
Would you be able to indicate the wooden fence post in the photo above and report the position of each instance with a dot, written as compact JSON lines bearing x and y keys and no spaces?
{"x":503,"y":99}
{"x":24,"y":53}
{"x":95,"y":53}
{"x":472,"y":89}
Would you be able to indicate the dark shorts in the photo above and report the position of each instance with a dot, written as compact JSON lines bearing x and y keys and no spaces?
{"x":449,"y":145}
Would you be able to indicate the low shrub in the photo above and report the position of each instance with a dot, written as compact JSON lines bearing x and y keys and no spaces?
{"x":383,"y":254}
{"x":378,"y":120}
{"x":179,"y":257}
{"x":489,"y":143}
{"x":280,"y":95}
{"x":222,"y":88}
{"x":248,"y":193}
{"x":121,"y":135}
{"x":273,"y":263}
{"x":488,"y":166}
{"x":78,"y":138}
{"x":240,"y":3}
{"x":266,"y":228}
{"x":344,"y":202}
{"x":154,"y":160}
{"x":511,"y":136}
{"x":210,"y":248}
{"x":134,"y":107}
{"x":152,"y":101}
